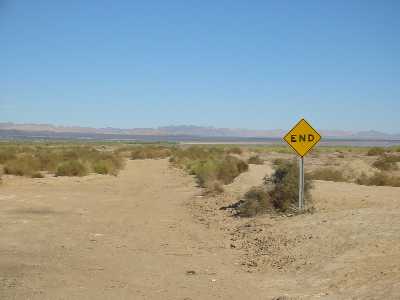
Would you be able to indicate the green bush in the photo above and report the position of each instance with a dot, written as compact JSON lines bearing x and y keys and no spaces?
{"x":224,"y":170}
{"x":205,"y":171}
{"x":278,"y":193}
{"x":105,"y":166}
{"x":108,"y":163}
{"x":255,"y":160}
{"x":328,"y":174}
{"x":285,"y":189}
{"x":71,"y":168}
{"x":212,"y":166}
{"x":375,"y":151}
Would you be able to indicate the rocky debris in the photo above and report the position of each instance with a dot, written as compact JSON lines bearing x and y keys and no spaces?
{"x":190,"y":272}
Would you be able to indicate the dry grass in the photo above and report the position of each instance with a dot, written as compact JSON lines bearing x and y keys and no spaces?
{"x":234,"y":150}
{"x":150,"y":152}
{"x":375,"y":151}
{"x":379,"y":179}
{"x":387,"y":162}
{"x":328,"y":174}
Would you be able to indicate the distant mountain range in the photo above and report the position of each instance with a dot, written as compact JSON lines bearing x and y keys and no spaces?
{"x":8,"y":130}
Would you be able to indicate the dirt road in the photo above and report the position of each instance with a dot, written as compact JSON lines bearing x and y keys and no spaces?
{"x":147,"y":234}
{"x":103,"y":237}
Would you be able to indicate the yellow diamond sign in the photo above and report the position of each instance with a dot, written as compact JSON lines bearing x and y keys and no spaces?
{"x":302,"y":138}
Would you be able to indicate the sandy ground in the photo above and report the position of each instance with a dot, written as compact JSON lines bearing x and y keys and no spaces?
{"x":149,"y":234}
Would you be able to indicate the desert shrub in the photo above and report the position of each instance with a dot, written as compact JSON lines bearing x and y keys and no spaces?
{"x":150,"y":152}
{"x":256,"y":201}
{"x":26,"y":160}
{"x":125,"y":151}
{"x":183,"y":157}
{"x":48,"y":160}
{"x":278,"y":161}
{"x":224,"y":170}
{"x":280,"y":192}
{"x":229,"y":168}
{"x":7,"y":153}
{"x":23,"y":166}
{"x":210,"y":165}
{"x":102,"y":167}
{"x":234,"y":150}
{"x":213,"y":187}
{"x":328,"y":174}
{"x":378,"y":179}
{"x":205,"y":171}
{"x":108,"y":163}
{"x":37,"y":175}
{"x":374,"y":151}
{"x":285,"y":188}
{"x":387,"y":162}
{"x":255,"y":160}
{"x":71,"y":168}
{"x":101,"y":162}
{"x":106,"y":166}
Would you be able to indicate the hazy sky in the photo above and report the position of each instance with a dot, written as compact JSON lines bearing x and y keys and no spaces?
{"x":249,"y":64}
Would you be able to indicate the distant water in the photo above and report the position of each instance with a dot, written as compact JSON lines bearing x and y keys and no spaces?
{"x":326,"y":142}
{"x":361,"y":143}
{"x":22,"y":135}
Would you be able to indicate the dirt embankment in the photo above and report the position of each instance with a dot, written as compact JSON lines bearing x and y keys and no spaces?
{"x":349,"y":248}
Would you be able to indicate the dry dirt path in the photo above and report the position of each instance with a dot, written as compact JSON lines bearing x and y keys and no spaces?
{"x":104,"y":237}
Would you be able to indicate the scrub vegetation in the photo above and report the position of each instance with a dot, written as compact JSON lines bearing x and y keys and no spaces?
{"x":150,"y":152}
{"x":374,"y":151}
{"x":379,"y":179}
{"x":255,"y":160}
{"x":328,"y":174}
{"x":387,"y":162}
{"x":212,"y":166}
{"x":32,"y":160}
{"x":279,"y":193}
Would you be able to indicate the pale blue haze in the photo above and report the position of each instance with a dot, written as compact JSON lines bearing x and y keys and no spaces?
{"x":242,"y":64}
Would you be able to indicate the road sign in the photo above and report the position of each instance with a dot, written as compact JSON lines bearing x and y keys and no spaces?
{"x":302,"y":138}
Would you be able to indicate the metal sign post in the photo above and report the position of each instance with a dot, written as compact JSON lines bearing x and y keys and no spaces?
{"x":301,"y":183}
{"x":302,"y":138}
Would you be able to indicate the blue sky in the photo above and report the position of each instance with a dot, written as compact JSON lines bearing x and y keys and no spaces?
{"x":240,"y":64}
